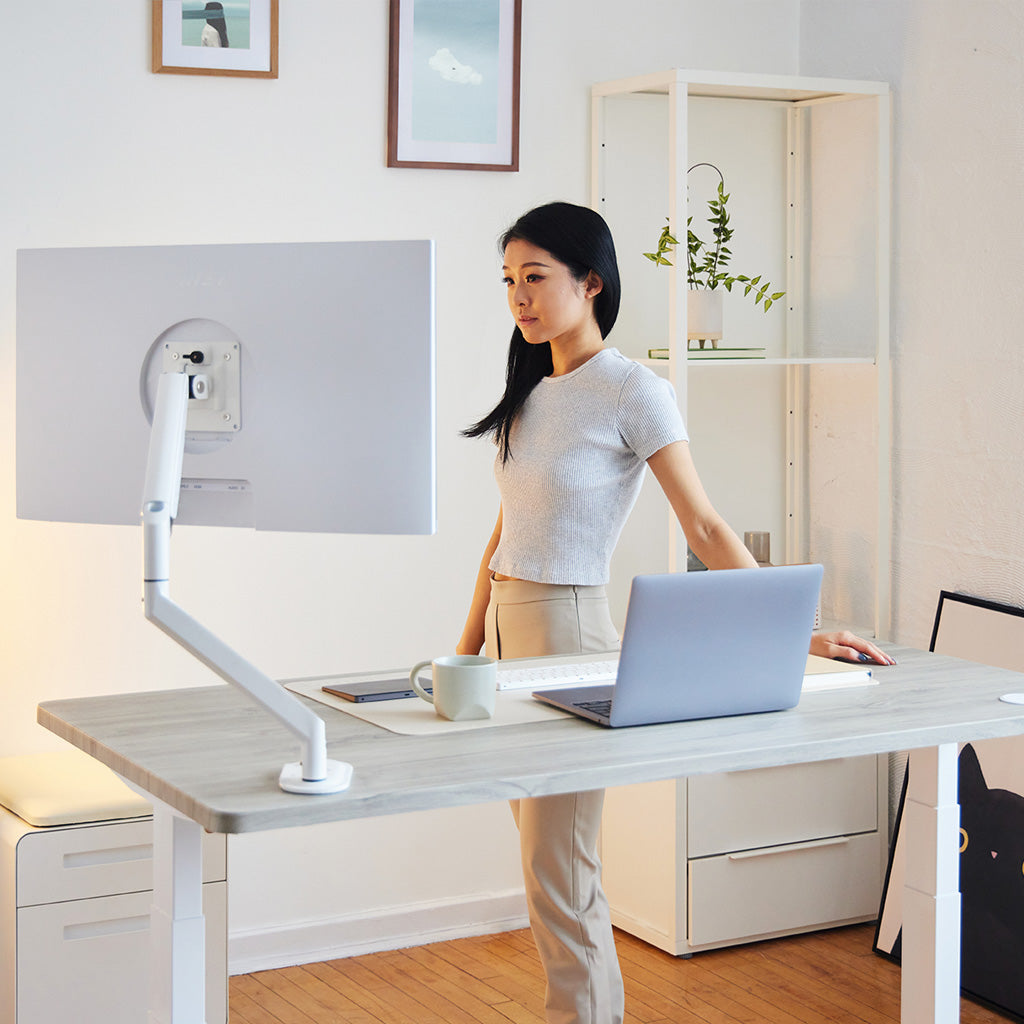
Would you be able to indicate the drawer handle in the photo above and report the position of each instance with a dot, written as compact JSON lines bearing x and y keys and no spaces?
{"x":100,"y":929}
{"x":773,"y":851}
{"x":117,"y":855}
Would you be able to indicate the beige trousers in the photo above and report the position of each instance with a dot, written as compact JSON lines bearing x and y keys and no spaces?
{"x":558,"y":835}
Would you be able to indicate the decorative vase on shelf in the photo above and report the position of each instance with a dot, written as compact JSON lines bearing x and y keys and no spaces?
{"x":704,"y":316}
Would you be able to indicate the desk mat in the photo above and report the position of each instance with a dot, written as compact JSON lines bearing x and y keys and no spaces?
{"x":415,"y":717}
{"x":412,"y":716}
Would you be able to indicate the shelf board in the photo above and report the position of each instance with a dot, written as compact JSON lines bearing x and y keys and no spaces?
{"x":790,"y":361}
{"x":727,"y":360}
{"x":729,"y":85}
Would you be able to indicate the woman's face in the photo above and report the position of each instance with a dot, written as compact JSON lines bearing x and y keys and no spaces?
{"x":548,"y":303}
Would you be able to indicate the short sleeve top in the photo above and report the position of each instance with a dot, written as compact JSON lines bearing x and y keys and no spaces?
{"x":578,"y":451}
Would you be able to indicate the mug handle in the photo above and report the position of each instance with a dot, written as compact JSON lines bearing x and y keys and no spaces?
{"x":420,"y":692}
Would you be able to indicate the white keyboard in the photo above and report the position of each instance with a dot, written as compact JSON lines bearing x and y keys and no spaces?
{"x":537,"y":677}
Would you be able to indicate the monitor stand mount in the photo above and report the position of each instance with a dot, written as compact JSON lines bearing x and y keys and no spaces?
{"x":313,"y":772}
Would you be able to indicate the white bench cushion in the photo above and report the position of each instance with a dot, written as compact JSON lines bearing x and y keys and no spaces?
{"x":65,"y":787}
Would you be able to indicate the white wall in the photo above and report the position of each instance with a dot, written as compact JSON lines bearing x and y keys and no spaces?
{"x":957,"y":72}
{"x":99,"y":151}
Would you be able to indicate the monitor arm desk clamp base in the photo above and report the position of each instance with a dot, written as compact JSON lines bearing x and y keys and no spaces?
{"x":314,"y":772}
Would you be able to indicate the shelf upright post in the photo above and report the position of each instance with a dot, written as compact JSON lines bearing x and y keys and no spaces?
{"x":883,"y":367}
{"x":678,"y":127}
{"x":796,"y":545}
{"x":597,"y":154}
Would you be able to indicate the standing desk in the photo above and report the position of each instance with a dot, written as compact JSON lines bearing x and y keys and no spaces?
{"x":209,"y":759}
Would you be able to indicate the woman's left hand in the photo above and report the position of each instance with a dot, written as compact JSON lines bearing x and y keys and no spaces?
{"x":848,"y":646}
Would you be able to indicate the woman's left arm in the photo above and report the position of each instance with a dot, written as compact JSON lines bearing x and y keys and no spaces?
{"x":715,"y":543}
{"x":712,"y":539}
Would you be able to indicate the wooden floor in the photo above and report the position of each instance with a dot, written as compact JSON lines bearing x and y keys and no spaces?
{"x":811,"y":979}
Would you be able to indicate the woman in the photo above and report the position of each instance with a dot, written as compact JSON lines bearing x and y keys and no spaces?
{"x":215,"y":31}
{"x":575,"y":428}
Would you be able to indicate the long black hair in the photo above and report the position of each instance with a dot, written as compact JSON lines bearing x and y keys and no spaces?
{"x":579,"y":238}
{"x":216,"y":10}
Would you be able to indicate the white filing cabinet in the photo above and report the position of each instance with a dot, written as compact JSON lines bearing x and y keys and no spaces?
{"x":74,"y":921}
{"x":714,"y":860}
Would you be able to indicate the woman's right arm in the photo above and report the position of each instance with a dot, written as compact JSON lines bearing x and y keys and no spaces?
{"x":473,"y":634}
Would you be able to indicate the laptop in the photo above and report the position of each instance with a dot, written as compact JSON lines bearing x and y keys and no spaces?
{"x":705,"y":645}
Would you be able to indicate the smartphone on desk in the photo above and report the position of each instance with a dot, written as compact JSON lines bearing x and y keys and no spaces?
{"x":377,"y":689}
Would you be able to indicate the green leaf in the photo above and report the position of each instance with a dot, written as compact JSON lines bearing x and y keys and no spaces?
{"x":707,"y":262}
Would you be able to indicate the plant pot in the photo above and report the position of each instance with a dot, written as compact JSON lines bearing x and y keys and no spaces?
{"x":704,"y":315}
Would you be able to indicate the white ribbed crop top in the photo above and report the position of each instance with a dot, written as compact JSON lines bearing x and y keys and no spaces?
{"x":579,"y":448}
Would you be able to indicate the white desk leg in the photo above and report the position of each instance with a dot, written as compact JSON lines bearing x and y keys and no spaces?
{"x":930,"y":985}
{"x":177,"y":928}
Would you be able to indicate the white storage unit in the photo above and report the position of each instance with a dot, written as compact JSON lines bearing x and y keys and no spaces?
{"x":698,"y":863}
{"x":74,"y":899}
{"x":790,"y":433}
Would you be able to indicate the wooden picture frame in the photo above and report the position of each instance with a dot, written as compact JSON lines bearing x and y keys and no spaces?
{"x":249,"y":27}
{"x":993,"y":634}
{"x":453,"y":84}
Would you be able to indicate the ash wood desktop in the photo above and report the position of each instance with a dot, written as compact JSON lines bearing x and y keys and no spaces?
{"x":210,"y":760}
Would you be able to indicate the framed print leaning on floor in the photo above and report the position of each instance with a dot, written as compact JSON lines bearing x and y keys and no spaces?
{"x":453,"y":84}
{"x":215,"y":37}
{"x":991,"y":799}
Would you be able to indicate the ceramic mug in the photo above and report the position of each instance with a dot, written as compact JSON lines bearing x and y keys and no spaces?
{"x":464,"y":686}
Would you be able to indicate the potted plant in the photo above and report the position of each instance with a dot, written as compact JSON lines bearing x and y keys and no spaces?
{"x":707,"y":269}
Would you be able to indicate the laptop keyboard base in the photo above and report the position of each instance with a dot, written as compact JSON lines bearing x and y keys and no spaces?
{"x":602,"y":708}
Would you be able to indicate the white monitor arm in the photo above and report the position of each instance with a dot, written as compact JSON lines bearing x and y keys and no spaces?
{"x":313,"y":773}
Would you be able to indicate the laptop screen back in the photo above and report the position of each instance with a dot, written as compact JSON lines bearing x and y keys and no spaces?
{"x":707,"y":644}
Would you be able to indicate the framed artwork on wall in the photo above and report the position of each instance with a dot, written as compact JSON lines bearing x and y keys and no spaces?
{"x":453,"y":84}
{"x":215,"y":37}
{"x":991,"y":798}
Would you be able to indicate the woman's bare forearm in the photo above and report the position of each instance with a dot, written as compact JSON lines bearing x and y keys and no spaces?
{"x":472,"y":639}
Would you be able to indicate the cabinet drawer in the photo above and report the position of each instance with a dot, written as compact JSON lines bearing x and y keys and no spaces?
{"x":88,"y":960}
{"x":742,"y":895}
{"x":772,"y":806}
{"x":59,"y":864}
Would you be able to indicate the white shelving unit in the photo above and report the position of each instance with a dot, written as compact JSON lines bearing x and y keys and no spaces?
{"x":806,"y":163}
{"x":796,"y":443}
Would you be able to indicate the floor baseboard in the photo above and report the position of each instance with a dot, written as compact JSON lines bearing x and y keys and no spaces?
{"x":371,"y":932}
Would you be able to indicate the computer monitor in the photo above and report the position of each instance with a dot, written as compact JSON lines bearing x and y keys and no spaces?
{"x":333,"y":344}
{"x":282,"y":386}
